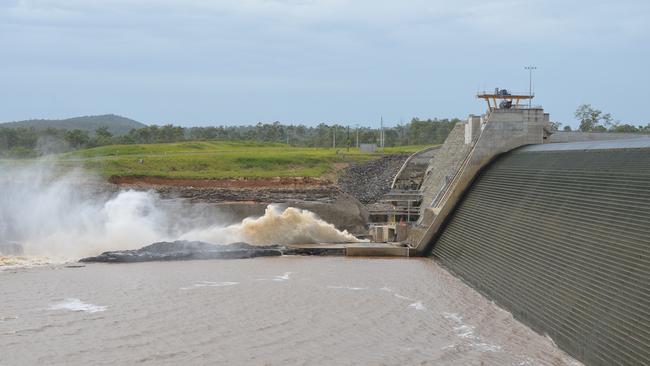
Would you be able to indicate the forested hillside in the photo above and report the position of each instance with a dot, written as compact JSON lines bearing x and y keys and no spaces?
{"x":116,"y":125}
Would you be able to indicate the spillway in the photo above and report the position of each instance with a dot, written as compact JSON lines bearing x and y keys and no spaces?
{"x":559,"y":235}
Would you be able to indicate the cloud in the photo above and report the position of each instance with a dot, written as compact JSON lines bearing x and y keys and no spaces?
{"x":294,"y":54}
{"x":415,"y":22}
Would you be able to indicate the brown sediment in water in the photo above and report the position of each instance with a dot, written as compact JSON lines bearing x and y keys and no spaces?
{"x":275,"y":311}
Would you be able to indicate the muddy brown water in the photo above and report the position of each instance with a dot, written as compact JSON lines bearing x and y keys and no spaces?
{"x":264,"y":311}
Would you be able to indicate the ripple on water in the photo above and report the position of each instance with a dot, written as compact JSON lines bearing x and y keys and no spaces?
{"x":210,"y":284}
{"x":73,"y":304}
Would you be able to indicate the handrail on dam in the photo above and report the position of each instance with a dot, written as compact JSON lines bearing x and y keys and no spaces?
{"x":408,"y":160}
{"x":439,"y":202}
{"x":449,"y":183}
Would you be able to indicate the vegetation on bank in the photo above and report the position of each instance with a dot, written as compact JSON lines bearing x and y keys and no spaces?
{"x":29,"y":142}
{"x":217,"y":159}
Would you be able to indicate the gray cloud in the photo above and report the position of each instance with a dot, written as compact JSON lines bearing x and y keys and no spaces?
{"x":200,"y":61}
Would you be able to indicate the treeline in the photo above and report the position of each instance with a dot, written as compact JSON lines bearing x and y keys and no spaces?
{"x":30,"y":142}
{"x":594,"y":120}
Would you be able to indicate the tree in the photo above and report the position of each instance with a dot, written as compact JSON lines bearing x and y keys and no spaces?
{"x":588,"y":117}
{"x":77,"y":138}
{"x":555,"y":126}
{"x":103,"y":133}
{"x":592,"y":119}
{"x":567,"y":128}
{"x":624,"y":128}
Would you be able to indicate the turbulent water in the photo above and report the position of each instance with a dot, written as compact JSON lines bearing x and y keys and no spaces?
{"x":56,"y":216}
{"x":265,"y":311}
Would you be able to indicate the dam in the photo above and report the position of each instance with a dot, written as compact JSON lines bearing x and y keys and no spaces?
{"x":553,"y":227}
{"x":507,"y":214}
{"x":558,"y":234}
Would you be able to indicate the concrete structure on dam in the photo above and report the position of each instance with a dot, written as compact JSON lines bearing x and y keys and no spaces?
{"x":554,"y":227}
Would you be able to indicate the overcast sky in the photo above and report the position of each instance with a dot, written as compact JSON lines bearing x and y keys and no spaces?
{"x":205,"y":62}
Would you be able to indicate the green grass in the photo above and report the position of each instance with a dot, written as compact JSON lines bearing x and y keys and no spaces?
{"x":216,"y":159}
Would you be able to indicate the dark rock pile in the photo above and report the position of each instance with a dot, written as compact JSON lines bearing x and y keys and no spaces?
{"x":193,"y":250}
{"x":186,"y":250}
{"x":369,"y":181}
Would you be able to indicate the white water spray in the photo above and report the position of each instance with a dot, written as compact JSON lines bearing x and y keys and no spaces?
{"x":65,"y":216}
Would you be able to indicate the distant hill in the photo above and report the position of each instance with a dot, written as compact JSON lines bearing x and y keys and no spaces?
{"x":117,"y":125}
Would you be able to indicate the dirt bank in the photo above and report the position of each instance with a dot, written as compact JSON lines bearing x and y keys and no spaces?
{"x":220,"y":183}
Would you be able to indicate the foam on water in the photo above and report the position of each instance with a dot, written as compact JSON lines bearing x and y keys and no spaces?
{"x":73,"y":304}
{"x":210,"y":284}
{"x":284,"y":277}
{"x":417,"y":306}
{"x":466,"y":331}
{"x":348,"y":288}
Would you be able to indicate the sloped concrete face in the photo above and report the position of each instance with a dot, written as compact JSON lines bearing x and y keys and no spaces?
{"x":561,"y":238}
{"x":458,"y":163}
{"x":445,"y":163}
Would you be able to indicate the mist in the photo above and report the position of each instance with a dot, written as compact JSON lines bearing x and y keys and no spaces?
{"x":71,"y":215}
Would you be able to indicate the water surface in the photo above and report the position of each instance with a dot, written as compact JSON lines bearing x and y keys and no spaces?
{"x":263,"y":311}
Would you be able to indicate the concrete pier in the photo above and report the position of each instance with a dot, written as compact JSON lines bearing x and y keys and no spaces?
{"x":367,"y":249}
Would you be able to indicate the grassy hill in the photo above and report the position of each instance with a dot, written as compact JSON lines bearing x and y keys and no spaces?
{"x":117,"y":125}
{"x":216,"y":160}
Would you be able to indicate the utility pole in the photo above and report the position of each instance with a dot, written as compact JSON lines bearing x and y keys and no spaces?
{"x":381,"y":134}
{"x":348,"y":139}
{"x":357,"y":127}
{"x":530,"y":83}
{"x":334,"y":138}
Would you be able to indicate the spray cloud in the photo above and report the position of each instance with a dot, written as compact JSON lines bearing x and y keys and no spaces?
{"x":66,"y":215}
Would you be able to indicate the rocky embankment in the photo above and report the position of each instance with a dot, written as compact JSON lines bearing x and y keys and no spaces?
{"x":289,"y":193}
{"x":369,"y":181}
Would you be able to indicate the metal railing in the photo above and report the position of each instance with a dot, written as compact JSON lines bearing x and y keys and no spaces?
{"x":510,"y":94}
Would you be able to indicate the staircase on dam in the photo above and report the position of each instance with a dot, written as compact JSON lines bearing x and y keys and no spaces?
{"x":402,"y":203}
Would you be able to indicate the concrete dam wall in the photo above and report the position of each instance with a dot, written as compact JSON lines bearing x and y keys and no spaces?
{"x":559,"y":235}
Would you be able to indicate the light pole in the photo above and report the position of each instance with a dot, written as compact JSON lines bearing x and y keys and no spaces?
{"x":530,"y":83}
